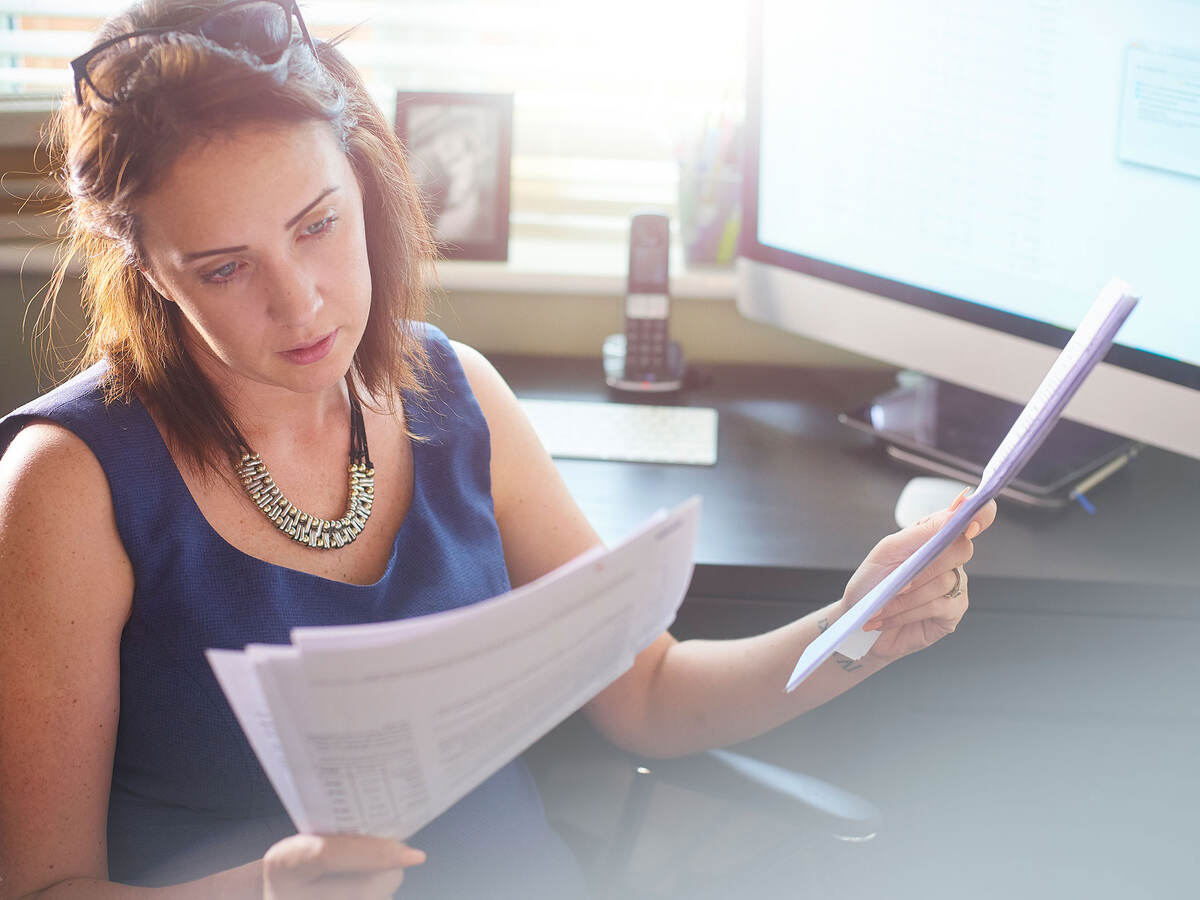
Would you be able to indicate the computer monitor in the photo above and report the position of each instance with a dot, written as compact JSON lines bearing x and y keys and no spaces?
{"x":947,"y":186}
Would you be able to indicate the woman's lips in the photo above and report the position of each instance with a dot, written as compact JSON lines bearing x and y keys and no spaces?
{"x":310,"y":353}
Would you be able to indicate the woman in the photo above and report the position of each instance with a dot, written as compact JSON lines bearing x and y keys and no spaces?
{"x":255,"y":261}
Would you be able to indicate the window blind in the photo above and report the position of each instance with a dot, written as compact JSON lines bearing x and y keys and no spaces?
{"x":607,"y":97}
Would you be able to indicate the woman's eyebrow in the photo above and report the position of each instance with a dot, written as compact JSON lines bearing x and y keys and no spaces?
{"x":189,"y":257}
{"x":304,"y":212}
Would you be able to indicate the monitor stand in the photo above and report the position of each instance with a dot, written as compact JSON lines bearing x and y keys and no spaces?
{"x":952,"y":431}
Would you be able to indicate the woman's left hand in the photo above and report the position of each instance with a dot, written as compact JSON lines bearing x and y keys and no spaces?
{"x":927,"y":609}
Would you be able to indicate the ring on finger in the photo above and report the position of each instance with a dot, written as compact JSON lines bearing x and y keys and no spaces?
{"x":959,"y":578}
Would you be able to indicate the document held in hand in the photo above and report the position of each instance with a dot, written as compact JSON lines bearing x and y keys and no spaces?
{"x":1085,"y":349}
{"x":378,"y":729}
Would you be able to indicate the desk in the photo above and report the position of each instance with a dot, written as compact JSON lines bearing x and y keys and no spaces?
{"x":1049,"y":745}
{"x":795,"y":491}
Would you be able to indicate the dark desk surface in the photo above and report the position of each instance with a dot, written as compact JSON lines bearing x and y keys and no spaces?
{"x":795,"y":490}
{"x":1048,"y":745}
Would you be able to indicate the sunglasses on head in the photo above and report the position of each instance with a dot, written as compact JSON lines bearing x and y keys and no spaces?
{"x":260,"y":27}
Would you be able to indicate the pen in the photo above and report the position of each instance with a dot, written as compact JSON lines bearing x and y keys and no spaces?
{"x":1100,"y":474}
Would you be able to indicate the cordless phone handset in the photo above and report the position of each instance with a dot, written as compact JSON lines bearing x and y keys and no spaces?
{"x":645,"y":358}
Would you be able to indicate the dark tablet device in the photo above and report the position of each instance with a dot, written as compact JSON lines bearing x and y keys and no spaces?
{"x":953,"y":431}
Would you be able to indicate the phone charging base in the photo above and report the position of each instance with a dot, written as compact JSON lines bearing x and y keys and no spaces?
{"x":640,"y":381}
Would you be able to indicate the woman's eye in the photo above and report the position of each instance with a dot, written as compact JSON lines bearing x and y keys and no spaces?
{"x":222,"y":274}
{"x":225,"y":273}
{"x":320,"y":227}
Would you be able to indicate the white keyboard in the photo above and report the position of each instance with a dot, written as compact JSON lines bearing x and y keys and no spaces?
{"x":628,"y":432}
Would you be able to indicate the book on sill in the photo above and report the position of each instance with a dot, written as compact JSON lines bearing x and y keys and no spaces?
{"x":379,"y":728}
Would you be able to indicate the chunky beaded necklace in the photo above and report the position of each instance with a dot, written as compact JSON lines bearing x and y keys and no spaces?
{"x":313,"y":531}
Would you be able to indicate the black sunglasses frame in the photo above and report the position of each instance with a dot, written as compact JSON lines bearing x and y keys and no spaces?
{"x":191,"y":26}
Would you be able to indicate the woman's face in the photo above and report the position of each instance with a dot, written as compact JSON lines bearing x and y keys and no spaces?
{"x":258,"y":237}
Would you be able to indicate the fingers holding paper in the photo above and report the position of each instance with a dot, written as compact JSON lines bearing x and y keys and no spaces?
{"x":336,"y":866}
{"x":934,"y":602}
{"x":938,"y":604}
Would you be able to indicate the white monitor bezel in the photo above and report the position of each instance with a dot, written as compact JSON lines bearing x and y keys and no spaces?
{"x":1133,"y":393}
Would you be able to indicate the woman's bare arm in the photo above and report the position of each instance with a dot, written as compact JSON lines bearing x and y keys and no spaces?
{"x":64,"y":598}
{"x":679,"y":698}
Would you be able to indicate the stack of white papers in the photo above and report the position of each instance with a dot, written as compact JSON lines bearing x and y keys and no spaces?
{"x":1082,"y":353}
{"x":378,"y":729}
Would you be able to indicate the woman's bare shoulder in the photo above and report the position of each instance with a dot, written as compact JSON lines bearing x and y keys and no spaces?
{"x":43,"y":443}
{"x":541,"y":525}
{"x":56,"y":515}
{"x":44,"y":461}
{"x":489,"y":388}
{"x":511,"y":434}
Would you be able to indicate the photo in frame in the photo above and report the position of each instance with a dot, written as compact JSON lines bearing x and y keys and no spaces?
{"x":459,"y":149}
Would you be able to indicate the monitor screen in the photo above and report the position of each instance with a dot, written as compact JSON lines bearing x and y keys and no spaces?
{"x":995,"y":162}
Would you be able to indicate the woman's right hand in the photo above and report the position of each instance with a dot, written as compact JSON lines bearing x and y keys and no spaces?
{"x":336,"y":866}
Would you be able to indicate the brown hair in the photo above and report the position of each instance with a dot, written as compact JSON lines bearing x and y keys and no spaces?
{"x":183,"y":89}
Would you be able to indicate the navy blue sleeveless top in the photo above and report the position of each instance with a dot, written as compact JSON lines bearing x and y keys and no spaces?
{"x":188,"y":795}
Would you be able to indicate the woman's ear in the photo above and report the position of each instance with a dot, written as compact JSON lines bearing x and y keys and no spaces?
{"x":145,"y":273}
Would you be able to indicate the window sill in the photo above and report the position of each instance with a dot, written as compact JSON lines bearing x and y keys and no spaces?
{"x":546,"y":265}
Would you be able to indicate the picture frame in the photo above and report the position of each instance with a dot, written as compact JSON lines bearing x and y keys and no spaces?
{"x":459,"y":150}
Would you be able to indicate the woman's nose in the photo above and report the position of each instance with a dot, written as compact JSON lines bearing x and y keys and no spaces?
{"x":295,"y":299}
